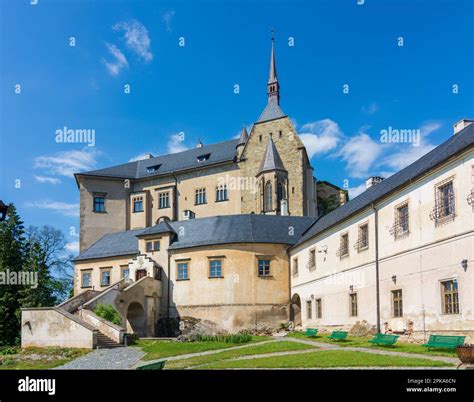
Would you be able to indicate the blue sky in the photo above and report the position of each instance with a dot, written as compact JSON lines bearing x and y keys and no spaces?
{"x":190,"y":88}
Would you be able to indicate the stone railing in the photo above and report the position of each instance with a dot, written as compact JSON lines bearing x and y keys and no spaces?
{"x":113,"y":331}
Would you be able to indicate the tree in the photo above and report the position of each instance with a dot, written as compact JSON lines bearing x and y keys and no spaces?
{"x":12,"y":244}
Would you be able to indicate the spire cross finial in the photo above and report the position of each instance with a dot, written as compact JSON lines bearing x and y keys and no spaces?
{"x":273,"y":34}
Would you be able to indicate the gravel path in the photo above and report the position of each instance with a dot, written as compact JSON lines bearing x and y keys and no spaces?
{"x":106,"y":359}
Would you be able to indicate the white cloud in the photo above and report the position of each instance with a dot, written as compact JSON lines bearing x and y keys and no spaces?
{"x":402,"y":158}
{"x":120,"y":61}
{"x":72,"y":247}
{"x":176,"y":144}
{"x":320,"y":136}
{"x":360,"y":153}
{"x":355,"y":191}
{"x":67,"y":163}
{"x":62,"y":208}
{"x":45,"y":179}
{"x":136,"y":38}
{"x":168,"y":18}
{"x":370,"y":109}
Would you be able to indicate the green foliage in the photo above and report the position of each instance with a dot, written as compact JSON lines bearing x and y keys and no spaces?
{"x":328,"y":204}
{"x":109,"y":313}
{"x":9,"y":350}
{"x":235,"y":338}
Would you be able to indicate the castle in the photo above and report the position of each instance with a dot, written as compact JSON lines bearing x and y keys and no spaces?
{"x":234,"y":233}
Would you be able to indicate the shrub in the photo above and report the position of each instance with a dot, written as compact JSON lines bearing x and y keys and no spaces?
{"x":108,"y":312}
{"x":236,"y":338}
{"x":8,"y":350}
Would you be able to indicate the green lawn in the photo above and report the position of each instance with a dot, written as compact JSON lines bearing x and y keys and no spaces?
{"x":359,"y":341}
{"x":270,"y":347}
{"x":40,"y":358}
{"x":161,"y":349}
{"x":327,"y":359}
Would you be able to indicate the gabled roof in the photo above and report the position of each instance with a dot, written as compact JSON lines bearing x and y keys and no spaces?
{"x":455,"y":144}
{"x":271,"y":112}
{"x":214,"y":230}
{"x":218,"y":153}
{"x":271,"y":159}
{"x":244,"y":136}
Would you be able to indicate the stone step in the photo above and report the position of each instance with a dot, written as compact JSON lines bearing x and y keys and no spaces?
{"x":104,"y":342}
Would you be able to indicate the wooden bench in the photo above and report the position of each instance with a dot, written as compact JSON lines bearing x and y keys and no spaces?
{"x":311,"y":332}
{"x":338,"y":335}
{"x":444,"y":341}
{"x":384,"y":339}
{"x":153,"y":366}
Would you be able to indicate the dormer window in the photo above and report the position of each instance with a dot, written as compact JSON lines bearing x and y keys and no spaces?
{"x":151,"y":169}
{"x":203,"y":158}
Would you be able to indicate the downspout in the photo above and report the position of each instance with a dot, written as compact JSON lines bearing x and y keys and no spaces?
{"x":377,"y":274}
{"x":175,"y":198}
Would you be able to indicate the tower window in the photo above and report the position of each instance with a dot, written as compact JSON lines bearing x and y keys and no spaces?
{"x":280,"y":133}
{"x":268,"y":196}
{"x":260,"y":137}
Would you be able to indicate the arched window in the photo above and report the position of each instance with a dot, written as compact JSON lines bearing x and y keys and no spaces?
{"x":267,"y":196}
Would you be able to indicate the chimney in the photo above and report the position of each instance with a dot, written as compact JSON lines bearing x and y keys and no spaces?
{"x":372,"y":181}
{"x":461,"y":124}
{"x":148,"y":156}
{"x":199,"y":144}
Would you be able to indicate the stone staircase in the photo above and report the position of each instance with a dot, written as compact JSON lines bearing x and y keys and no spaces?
{"x":104,"y":342}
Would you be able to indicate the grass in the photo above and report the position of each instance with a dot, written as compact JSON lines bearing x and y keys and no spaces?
{"x":363,"y":342}
{"x":40,"y":358}
{"x":161,"y":349}
{"x":270,"y":347}
{"x":327,"y":359}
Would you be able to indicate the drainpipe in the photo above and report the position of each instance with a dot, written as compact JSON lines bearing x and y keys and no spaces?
{"x":175,"y":199}
{"x":377,"y":275}
{"x":169,"y":287}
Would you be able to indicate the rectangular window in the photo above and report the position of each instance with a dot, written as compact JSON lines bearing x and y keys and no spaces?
{"x":353,"y":304}
{"x":164,"y":200}
{"x":397,"y":303}
{"x":450,"y":297}
{"x":152,"y":246}
{"x":215,"y":269}
{"x":319,"y":308}
{"x":138,"y":204}
{"x":99,"y":203}
{"x":86,"y":279}
{"x":344,"y":247}
{"x":446,"y":200}
{"x":104,"y":277}
{"x":183,"y":271}
{"x":312,"y":259}
{"x":125,"y":272}
{"x":221,"y":193}
{"x":264,"y":268}
{"x":402,"y":221}
{"x":309,"y":310}
{"x":295,"y":266}
{"x":363,"y":241}
{"x":200,"y":196}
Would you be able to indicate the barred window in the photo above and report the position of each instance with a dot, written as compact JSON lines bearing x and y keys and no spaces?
{"x":319,"y":308}
{"x":295,"y":266}
{"x":344,"y":245}
{"x":444,"y":209}
{"x":312,"y":259}
{"x":363,"y":239}
{"x":309,"y":310}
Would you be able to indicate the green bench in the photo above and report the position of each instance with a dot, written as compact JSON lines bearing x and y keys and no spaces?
{"x":384,"y":339}
{"x":153,"y":366}
{"x":338,"y":335}
{"x":311,"y":332}
{"x":444,"y":341}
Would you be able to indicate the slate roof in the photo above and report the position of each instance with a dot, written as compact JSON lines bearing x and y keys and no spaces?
{"x":219,"y":152}
{"x":214,"y":230}
{"x":271,"y":112}
{"x":111,"y":245}
{"x":271,"y":159}
{"x":243,"y":136}
{"x":455,"y":144}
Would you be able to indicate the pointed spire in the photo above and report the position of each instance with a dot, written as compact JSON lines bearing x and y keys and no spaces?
{"x":271,"y":159}
{"x":243,"y":136}
{"x":273,"y":87}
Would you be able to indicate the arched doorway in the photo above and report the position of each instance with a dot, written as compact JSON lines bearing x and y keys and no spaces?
{"x":295,"y":310}
{"x":136,"y":319}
